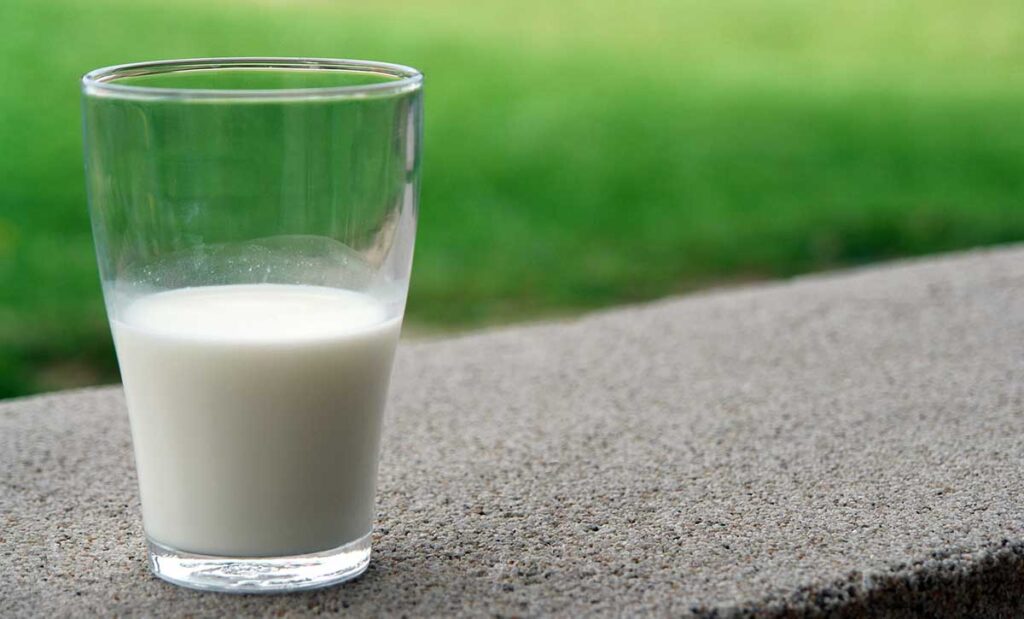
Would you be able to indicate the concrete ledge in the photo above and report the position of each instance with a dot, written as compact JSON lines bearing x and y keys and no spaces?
{"x":850,"y":444}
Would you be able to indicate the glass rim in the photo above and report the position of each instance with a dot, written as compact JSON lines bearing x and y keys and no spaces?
{"x":102,"y":82}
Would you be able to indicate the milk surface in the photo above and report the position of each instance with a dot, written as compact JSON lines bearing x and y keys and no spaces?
{"x":255,"y":414}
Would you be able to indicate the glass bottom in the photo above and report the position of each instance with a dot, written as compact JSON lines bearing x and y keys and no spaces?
{"x":260,"y":574}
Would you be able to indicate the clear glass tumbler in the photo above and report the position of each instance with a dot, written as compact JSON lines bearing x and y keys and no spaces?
{"x":254,"y":221}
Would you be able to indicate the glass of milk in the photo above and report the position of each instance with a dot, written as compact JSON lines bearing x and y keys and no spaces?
{"x":254,"y":221}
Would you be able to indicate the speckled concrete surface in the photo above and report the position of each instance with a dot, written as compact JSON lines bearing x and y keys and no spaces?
{"x":851,"y":444}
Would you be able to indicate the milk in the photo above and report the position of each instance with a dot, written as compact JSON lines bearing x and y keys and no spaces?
{"x":255,"y":414}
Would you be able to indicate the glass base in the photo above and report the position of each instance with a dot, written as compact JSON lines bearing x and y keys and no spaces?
{"x":260,"y":574}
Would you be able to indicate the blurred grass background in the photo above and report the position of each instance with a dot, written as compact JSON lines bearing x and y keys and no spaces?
{"x":577,"y":153}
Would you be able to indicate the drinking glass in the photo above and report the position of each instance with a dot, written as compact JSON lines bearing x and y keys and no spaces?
{"x":254,"y":221}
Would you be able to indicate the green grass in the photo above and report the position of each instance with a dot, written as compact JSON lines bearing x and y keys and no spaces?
{"x":577,"y":154}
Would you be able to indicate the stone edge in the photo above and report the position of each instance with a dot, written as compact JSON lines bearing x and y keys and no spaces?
{"x":964,"y":582}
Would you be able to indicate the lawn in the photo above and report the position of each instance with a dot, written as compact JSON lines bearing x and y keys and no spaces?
{"x":577,"y":154}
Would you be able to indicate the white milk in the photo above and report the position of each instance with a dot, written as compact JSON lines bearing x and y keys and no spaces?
{"x":255,"y":414}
